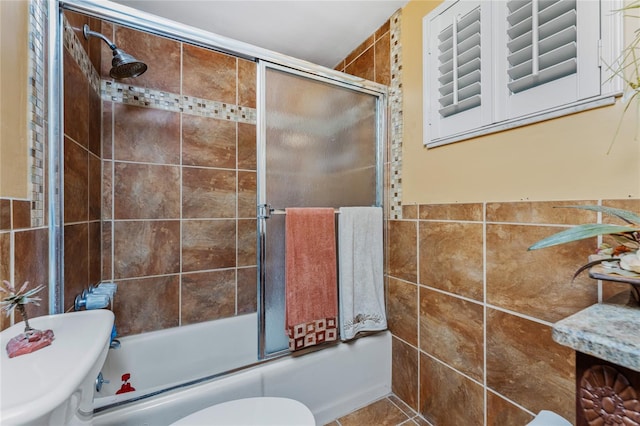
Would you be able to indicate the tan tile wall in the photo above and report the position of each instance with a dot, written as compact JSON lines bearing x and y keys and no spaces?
{"x":179,"y":191}
{"x":471,"y":309}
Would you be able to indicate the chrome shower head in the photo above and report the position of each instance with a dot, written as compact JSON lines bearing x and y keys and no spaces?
{"x":123,"y":65}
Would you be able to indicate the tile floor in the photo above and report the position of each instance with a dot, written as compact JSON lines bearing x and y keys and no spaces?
{"x":388,"y":411}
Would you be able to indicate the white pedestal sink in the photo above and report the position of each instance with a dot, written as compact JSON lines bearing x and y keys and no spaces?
{"x":54,"y":385}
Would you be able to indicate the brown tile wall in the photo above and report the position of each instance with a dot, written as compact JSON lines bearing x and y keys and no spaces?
{"x":179,"y":191}
{"x":82,"y":168}
{"x":471,"y":309}
{"x":372,"y":59}
{"x":24,"y":251}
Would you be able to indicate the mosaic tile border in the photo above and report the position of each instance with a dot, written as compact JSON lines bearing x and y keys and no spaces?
{"x":395,"y":99}
{"x":141,"y":96}
{"x":150,"y":98}
{"x":36,"y":100}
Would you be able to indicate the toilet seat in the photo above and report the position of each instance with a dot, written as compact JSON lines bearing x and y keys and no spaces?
{"x":260,"y":411}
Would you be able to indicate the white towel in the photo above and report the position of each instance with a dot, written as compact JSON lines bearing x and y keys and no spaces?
{"x":361,"y":284}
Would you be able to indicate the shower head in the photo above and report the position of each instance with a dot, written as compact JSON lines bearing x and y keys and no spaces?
{"x":123,"y":65}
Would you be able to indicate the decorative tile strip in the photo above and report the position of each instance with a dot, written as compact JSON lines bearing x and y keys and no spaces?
{"x":141,"y":96}
{"x":75,"y":49}
{"x":37,"y":107}
{"x":395,"y":98}
{"x":150,"y":98}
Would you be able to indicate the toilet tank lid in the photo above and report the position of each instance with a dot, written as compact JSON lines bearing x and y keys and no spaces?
{"x":34,"y":384}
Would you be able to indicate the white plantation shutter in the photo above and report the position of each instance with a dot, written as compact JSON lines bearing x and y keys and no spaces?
{"x":552,"y":56}
{"x":542,"y":42}
{"x":458,"y":83}
{"x":459,"y":55}
{"x":493,"y":65}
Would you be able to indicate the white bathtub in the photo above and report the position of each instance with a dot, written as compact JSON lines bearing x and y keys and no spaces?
{"x":331,"y":382}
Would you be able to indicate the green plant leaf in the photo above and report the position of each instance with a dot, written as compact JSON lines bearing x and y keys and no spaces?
{"x":581,"y":232}
{"x":625,"y":215}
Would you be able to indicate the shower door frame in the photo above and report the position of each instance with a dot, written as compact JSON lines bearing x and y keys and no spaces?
{"x":264,"y":208}
{"x":152,"y":24}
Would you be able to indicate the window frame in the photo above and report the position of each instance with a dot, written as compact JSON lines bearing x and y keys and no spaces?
{"x":610,"y":45}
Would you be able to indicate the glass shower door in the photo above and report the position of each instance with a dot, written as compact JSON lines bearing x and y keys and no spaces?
{"x":320,"y":146}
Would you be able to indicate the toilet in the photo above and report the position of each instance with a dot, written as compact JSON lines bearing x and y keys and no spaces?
{"x":259,"y":411}
{"x":71,"y":364}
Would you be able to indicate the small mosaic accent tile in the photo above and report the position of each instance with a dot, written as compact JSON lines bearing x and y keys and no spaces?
{"x":140,"y":96}
{"x":37,"y":108}
{"x":395,"y":100}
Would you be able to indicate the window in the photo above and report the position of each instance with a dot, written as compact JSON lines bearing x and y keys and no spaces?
{"x":494,"y":65}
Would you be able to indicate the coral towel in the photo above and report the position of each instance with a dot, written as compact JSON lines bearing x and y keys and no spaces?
{"x":362,"y":305}
{"x":310,"y":277}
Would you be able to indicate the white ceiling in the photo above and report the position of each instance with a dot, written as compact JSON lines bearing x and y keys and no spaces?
{"x":320,"y":31}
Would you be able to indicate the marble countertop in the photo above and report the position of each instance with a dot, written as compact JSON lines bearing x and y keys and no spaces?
{"x":609,"y":331}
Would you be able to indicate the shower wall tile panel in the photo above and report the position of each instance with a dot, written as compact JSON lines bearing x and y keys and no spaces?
{"x":447,"y":397}
{"x":452,"y":330}
{"x":246,"y":146}
{"x":76,"y":102}
{"x":247,"y":288}
{"x":146,"y":191}
{"x":208,"y":193}
{"x":147,"y":304}
{"x":76,"y":182}
{"x":5,"y":214}
{"x":522,"y":281}
{"x":382,"y":64}
{"x":76,"y":260}
{"x":247,"y":83}
{"x":403,"y":250}
{"x":404,"y":383}
{"x":402,"y":310}
{"x":524,"y":364}
{"x":551,"y":212}
{"x":440,"y":244}
{"x":208,"y":244}
{"x":363,"y":66}
{"x":501,"y":412}
{"x":247,"y":237}
{"x":21,"y":214}
{"x":107,"y":130}
{"x":628,"y":204}
{"x":209,"y":142}
{"x":208,"y":296}
{"x":146,"y":135}
{"x":30,"y":247}
{"x":208,"y":74}
{"x":457,"y":212}
{"x":247,"y":194}
{"x":143,"y":248}
{"x":106,"y":250}
{"x":95,"y":188}
{"x":82,"y":172}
